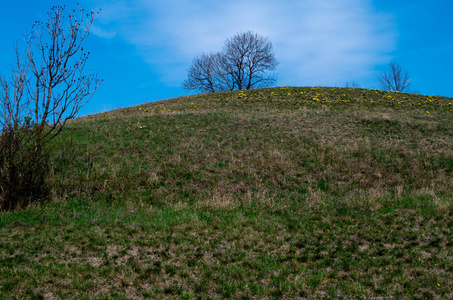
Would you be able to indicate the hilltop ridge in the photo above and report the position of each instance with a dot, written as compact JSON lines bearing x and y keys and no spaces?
{"x":294,"y":98}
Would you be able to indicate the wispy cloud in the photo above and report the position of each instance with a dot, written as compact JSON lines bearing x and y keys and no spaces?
{"x":317,"y":42}
{"x":96,"y":30}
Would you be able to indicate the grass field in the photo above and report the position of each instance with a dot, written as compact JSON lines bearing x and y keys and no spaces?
{"x":292,"y":192}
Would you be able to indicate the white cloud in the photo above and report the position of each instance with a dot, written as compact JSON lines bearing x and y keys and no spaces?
{"x":96,"y":30}
{"x":317,"y":42}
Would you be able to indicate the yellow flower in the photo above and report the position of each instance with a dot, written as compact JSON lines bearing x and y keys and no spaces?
{"x":427,"y":112}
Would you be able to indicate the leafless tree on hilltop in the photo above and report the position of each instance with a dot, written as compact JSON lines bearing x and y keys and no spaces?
{"x":244,"y":63}
{"x":396,"y":78}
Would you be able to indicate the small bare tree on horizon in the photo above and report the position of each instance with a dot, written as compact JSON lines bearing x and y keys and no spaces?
{"x":243,"y":63}
{"x":396,"y":78}
{"x":47,"y":88}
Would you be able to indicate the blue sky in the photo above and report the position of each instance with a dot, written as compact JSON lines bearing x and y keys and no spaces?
{"x":142,"y":49}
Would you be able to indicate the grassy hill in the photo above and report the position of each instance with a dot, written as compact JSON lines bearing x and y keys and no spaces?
{"x":275,"y":193}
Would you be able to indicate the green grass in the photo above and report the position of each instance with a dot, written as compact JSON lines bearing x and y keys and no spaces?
{"x":275,"y":193}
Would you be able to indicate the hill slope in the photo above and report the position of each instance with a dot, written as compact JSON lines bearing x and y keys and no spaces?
{"x":283,"y":192}
{"x":276,"y":141}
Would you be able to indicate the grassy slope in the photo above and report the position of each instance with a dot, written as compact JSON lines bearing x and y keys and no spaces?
{"x":285,"y":192}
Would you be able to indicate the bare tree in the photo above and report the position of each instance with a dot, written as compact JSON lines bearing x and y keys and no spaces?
{"x":243,"y":64}
{"x":201,"y":75}
{"x":250,"y":56}
{"x":47,"y":88}
{"x":351,"y":85}
{"x":207,"y":74}
{"x":396,"y":78}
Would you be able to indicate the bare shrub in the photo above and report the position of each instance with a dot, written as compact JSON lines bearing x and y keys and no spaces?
{"x":46,"y":89}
